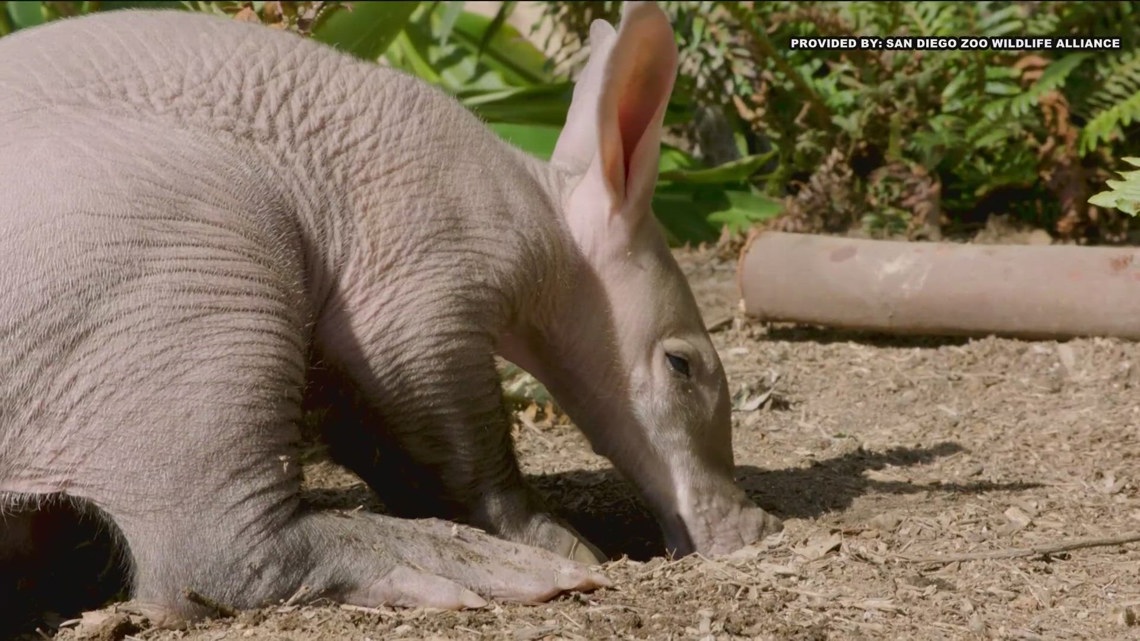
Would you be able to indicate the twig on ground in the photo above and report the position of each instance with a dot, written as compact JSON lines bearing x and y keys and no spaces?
{"x":525,"y":421}
{"x":1014,"y":553}
{"x":360,"y":608}
{"x":300,"y":594}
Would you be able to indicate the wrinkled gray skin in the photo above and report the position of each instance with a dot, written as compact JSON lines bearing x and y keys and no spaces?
{"x":207,"y":224}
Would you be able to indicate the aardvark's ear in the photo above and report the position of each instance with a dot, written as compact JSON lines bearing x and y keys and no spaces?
{"x":619,"y":103}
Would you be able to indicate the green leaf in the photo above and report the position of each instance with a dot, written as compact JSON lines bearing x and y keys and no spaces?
{"x":951,"y":92}
{"x":537,"y":140}
{"x":451,"y":12}
{"x":502,"y":48}
{"x":730,"y":172}
{"x":988,"y":135}
{"x":1109,"y":122}
{"x":456,"y":65}
{"x":1001,"y":22}
{"x":696,"y":213}
{"x":368,"y":29}
{"x":1122,"y":194}
{"x":538,"y":105}
{"x":404,"y":54}
{"x":744,"y":210}
{"x":1052,"y":78}
{"x":26,"y":14}
{"x":1001,"y":73}
{"x":1114,"y":200}
{"x":673,"y":158}
{"x":683,"y":218}
{"x":998,"y":88}
{"x":497,"y":22}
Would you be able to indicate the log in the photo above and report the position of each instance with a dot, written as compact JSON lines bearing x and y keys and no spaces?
{"x":1022,"y":291}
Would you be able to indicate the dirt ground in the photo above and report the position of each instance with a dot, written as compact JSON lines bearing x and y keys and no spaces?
{"x":879,"y":453}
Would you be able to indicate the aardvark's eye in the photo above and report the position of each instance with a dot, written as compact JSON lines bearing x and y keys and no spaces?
{"x":679,"y":364}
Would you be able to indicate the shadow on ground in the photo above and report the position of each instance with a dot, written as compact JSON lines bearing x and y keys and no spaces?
{"x":827,"y":335}
{"x":61,"y":559}
{"x":604,"y":508}
{"x":830,"y":335}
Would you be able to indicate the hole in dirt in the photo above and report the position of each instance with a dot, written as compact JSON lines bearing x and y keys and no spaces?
{"x":602,"y":506}
{"x":55,"y":562}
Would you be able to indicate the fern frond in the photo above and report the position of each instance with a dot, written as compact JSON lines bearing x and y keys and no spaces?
{"x":1122,"y":194}
{"x":935,"y":18}
{"x":1001,"y":22}
{"x":1052,"y":78}
{"x":1109,"y":123}
{"x":1121,"y":79}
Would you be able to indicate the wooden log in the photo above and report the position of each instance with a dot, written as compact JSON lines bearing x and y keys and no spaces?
{"x":1058,"y":291}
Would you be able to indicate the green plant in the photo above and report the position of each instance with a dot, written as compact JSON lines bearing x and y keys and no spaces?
{"x":971,"y":126}
{"x":1123,"y":194}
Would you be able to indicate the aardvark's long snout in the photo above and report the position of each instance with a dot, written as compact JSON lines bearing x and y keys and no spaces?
{"x":713,"y":516}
